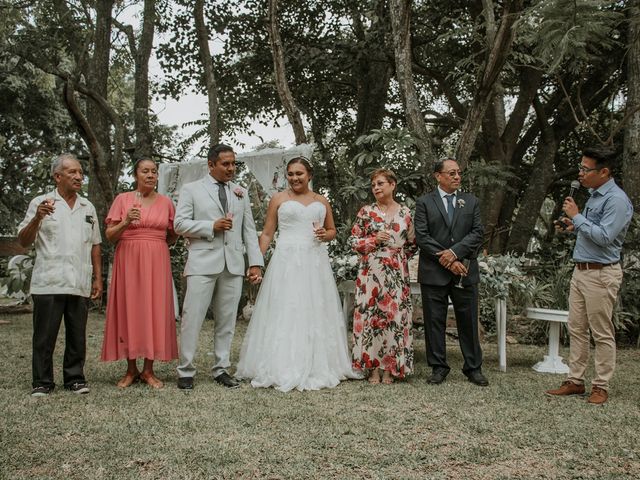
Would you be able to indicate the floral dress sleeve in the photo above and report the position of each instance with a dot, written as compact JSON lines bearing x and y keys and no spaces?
{"x":363,"y":236}
{"x":410,"y":246}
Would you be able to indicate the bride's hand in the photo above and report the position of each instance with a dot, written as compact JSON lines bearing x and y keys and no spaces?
{"x":320,"y":234}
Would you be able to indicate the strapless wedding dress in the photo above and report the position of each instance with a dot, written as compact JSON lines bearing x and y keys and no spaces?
{"x":297,"y":337}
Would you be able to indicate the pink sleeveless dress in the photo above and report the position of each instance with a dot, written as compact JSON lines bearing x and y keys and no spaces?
{"x":140,"y":312}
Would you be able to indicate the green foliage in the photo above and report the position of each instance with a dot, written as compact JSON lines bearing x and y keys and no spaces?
{"x":18,"y":277}
{"x":506,"y":277}
{"x":569,"y":34}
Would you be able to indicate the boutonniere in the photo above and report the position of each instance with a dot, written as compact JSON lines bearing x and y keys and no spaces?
{"x":239,"y":192}
{"x":460,"y":203}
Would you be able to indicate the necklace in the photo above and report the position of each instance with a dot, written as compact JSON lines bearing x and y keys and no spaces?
{"x":386,"y":209}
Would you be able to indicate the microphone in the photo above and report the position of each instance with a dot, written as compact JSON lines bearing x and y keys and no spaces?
{"x":575,"y":186}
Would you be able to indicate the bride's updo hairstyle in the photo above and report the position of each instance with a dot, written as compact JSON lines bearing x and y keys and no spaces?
{"x":302,"y":161}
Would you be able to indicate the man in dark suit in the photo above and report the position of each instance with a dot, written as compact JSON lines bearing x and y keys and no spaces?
{"x":449,"y":234}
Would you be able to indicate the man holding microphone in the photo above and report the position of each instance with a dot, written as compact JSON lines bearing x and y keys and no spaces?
{"x":600,"y":230}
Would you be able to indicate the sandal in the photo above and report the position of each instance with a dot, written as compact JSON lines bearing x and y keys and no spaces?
{"x":128,"y":379}
{"x":387,"y":378}
{"x":151,"y":380}
{"x":374,"y":377}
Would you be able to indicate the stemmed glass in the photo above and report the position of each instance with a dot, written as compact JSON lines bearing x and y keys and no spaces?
{"x":466,"y":262}
{"x":317,"y":224}
{"x":137,"y":204}
{"x":51,"y":202}
{"x":229,"y":215}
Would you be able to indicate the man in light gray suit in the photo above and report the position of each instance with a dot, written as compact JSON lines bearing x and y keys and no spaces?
{"x":215,"y":215}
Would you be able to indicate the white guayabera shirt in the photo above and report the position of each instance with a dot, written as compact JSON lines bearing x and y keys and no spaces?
{"x":63,"y":246}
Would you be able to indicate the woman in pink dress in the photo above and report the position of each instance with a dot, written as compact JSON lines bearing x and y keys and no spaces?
{"x":140,"y":311}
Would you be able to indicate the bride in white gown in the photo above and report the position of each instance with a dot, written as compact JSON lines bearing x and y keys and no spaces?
{"x":297,"y":337}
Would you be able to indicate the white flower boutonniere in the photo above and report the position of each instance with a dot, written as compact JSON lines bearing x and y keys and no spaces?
{"x":239,"y":192}
{"x":460,"y":203}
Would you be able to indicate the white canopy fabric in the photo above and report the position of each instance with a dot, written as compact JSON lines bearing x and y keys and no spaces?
{"x":267,"y":165}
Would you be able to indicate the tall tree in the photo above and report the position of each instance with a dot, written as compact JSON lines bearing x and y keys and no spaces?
{"x":401,"y":24}
{"x":280,"y":74}
{"x":631,"y":157}
{"x":208,"y":75}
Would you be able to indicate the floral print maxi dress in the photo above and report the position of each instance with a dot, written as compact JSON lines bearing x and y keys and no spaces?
{"x":382,"y":318}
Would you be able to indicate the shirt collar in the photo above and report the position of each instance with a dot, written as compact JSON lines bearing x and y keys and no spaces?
{"x":216,"y":182}
{"x":444,"y":194}
{"x":604,"y":188}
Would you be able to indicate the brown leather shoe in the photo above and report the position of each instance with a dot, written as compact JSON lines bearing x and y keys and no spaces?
{"x":567,"y":388}
{"x":598,"y":396}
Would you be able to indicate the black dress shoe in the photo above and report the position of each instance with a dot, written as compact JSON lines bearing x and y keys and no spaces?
{"x":478,"y":378}
{"x":227,"y":380}
{"x":185,"y":383}
{"x":437,"y":378}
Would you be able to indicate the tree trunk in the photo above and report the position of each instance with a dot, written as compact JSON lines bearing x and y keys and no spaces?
{"x":211,"y":87}
{"x":538,"y":185}
{"x":144,"y":142}
{"x":401,"y":26}
{"x":488,"y":75}
{"x":631,"y":157}
{"x":97,"y":75}
{"x":279,"y":69}
{"x":372,"y":71}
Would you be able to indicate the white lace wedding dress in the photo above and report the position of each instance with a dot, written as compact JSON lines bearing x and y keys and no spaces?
{"x":297,"y":337}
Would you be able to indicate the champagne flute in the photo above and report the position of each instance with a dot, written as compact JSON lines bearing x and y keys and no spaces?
{"x":229,"y":215}
{"x":466,"y":262}
{"x":317,"y":224}
{"x":137,"y":204}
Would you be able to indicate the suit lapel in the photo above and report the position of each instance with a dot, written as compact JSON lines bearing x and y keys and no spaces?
{"x":437,"y":199}
{"x":213,"y":193}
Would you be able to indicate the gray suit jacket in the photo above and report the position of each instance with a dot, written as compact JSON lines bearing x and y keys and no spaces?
{"x":434,"y":233}
{"x":198,"y":208}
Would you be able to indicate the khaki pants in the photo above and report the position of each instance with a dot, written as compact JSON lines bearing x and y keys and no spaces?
{"x":591,"y":298}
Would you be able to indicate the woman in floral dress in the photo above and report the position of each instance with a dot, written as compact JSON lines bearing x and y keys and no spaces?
{"x":383,"y":236}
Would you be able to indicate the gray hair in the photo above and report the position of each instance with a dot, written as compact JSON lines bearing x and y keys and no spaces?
{"x":56,"y":165}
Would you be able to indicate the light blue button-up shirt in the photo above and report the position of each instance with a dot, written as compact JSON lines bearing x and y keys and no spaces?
{"x":601,"y":227}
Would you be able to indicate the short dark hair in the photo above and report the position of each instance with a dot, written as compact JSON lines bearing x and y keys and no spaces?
{"x":605,"y":157}
{"x":304,"y":162}
{"x":216,"y":150}
{"x":439,"y":164}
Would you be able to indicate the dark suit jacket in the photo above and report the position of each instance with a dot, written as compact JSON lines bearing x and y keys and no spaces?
{"x":434,"y":233}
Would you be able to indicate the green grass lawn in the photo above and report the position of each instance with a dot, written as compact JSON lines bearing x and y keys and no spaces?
{"x":407,"y":430}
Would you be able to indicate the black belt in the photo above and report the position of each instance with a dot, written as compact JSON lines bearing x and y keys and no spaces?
{"x":593,"y":266}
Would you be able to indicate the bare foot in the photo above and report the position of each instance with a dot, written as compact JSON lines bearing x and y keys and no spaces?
{"x":374,"y":377}
{"x":387,"y":378}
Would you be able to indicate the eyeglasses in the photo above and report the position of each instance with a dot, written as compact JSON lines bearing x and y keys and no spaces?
{"x":378,"y":183}
{"x":583,"y":169}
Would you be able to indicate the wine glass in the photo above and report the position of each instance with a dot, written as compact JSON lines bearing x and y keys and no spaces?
{"x":229,"y":215}
{"x":466,"y":262}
